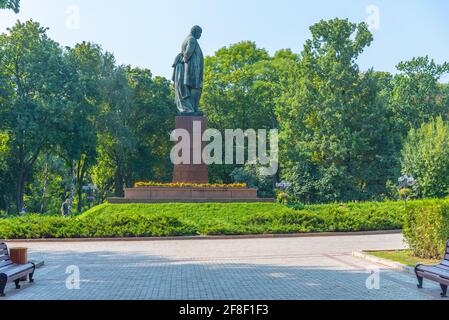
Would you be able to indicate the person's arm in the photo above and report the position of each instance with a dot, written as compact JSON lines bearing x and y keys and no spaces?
{"x":190,"y":49}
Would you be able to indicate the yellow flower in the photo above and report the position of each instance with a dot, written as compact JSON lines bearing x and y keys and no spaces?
{"x":190,"y":185}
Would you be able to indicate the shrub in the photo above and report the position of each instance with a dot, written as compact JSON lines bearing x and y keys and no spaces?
{"x":426,"y":157}
{"x":250,"y":175}
{"x":160,"y":220}
{"x":426,"y":227}
{"x":283,"y":198}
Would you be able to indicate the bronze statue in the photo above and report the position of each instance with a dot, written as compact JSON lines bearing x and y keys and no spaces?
{"x":188,"y":74}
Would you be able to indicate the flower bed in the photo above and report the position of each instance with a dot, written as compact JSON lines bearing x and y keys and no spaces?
{"x":190,"y":185}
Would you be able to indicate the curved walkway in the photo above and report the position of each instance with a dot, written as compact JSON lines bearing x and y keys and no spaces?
{"x":247,"y":269}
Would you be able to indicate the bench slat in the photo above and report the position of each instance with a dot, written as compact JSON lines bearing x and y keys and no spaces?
{"x":3,"y":246}
{"x":4,"y":257}
{"x":445,"y":263}
{"x":442,"y":266}
{"x":15,"y":270}
{"x":4,"y":264}
{"x":434,"y":270}
{"x":433,"y":277}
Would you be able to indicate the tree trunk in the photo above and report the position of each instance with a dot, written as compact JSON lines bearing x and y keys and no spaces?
{"x":20,"y":180}
{"x":25,"y":168}
{"x":118,"y":182}
{"x":80,"y":200}
{"x":44,"y":190}
{"x":72,"y":185}
{"x":79,"y":185}
{"x":20,"y":190}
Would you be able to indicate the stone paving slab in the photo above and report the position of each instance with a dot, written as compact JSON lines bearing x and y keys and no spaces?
{"x":312,"y":268}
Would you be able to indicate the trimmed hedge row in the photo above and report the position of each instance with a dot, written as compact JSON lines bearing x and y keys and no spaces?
{"x":426,"y":227}
{"x":46,"y":227}
{"x":161,"y":220}
{"x":426,"y":223}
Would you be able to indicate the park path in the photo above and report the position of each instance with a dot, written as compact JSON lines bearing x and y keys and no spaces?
{"x":238,"y":269}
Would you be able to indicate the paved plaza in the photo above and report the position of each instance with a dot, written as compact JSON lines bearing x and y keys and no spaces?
{"x":248,"y":269}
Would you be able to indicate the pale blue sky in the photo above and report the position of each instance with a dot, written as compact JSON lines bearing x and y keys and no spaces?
{"x":148,"y":33}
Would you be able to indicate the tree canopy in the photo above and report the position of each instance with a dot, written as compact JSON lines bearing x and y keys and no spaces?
{"x":76,"y":124}
{"x":426,"y":158}
{"x":10,"y":4}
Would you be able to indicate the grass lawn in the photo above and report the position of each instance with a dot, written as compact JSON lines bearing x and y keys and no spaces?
{"x":404,"y":257}
{"x":160,"y":220}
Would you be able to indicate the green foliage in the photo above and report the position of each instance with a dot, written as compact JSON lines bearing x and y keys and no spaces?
{"x":34,"y":75}
{"x":426,"y":158}
{"x":72,"y":116}
{"x":230,"y":100}
{"x":337,"y":139}
{"x":241,"y":85}
{"x":3,"y":150}
{"x":253,"y":179}
{"x":283,"y":198}
{"x":109,"y":124}
{"x":405,"y":257}
{"x":417,"y":96}
{"x":134,"y":131}
{"x":426,"y":227}
{"x":205,"y":219}
{"x":405,"y":193}
{"x":50,"y":185}
{"x":10,"y":4}
{"x":37,"y":227}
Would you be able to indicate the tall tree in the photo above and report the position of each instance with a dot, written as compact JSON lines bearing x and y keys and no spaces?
{"x":34,"y":74}
{"x":336,"y":142}
{"x":92,"y":69}
{"x":241,"y":85}
{"x":417,"y":94}
{"x":229,"y":97}
{"x":115,"y":136}
{"x":152,"y":116}
{"x":4,"y":151}
{"x":426,"y":158}
{"x":10,"y":4}
{"x":134,"y":131}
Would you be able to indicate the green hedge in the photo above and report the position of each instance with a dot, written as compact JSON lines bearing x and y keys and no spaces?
{"x":426,"y":227}
{"x":161,"y":220}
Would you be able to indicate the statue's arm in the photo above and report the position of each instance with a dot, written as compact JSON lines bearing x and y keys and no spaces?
{"x":189,"y":49}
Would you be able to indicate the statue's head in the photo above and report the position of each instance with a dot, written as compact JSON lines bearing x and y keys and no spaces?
{"x":196,"y":32}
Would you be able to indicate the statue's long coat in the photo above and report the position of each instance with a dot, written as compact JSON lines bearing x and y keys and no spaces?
{"x":193,"y":63}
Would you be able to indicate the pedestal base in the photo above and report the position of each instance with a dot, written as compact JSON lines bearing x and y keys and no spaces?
{"x":191,"y":173}
{"x":188,"y":195}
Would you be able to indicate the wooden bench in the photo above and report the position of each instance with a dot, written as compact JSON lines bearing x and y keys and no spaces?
{"x":438,"y":273}
{"x":10,"y":271}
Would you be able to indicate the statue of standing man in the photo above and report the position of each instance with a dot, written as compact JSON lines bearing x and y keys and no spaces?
{"x":188,"y":74}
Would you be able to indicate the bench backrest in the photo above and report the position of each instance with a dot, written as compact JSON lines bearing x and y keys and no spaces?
{"x":4,"y":256}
